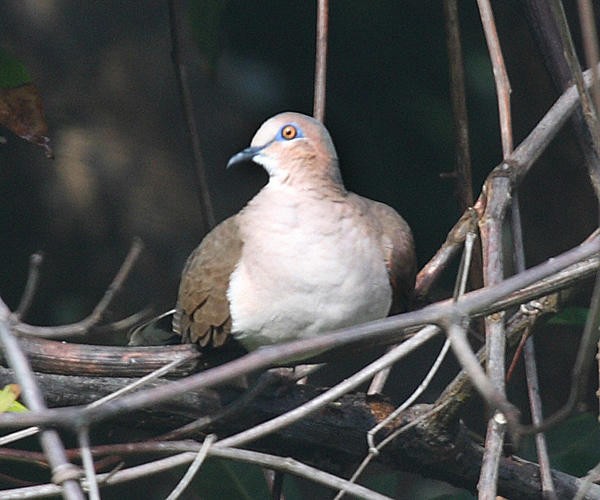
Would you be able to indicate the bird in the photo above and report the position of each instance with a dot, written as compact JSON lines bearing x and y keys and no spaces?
{"x":303,"y":257}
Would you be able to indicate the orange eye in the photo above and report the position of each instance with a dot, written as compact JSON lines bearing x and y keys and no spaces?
{"x":289,"y":132}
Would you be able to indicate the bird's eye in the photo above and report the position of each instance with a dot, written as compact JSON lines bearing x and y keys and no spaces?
{"x":289,"y":132}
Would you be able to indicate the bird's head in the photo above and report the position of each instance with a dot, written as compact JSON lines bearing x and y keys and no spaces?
{"x":293,"y":147}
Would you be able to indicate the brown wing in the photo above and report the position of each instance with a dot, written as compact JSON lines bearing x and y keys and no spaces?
{"x":202,"y":312}
{"x":399,"y":252}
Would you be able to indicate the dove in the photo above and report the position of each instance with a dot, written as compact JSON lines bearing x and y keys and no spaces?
{"x":304,"y":256}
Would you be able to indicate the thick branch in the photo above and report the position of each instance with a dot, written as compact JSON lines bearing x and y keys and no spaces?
{"x":386,"y":329}
{"x":337,"y":433}
{"x":516,"y":166}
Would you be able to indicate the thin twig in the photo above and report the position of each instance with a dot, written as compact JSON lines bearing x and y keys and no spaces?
{"x":18,"y":435}
{"x":379,"y":380}
{"x":388,"y":439}
{"x":31,"y":431}
{"x":264,"y":381}
{"x":187,"y":103}
{"x":465,"y":266}
{"x":468,"y":360}
{"x":35,"y":261}
{"x":587,"y":482}
{"x":276,"y":485}
{"x":583,"y":363}
{"x":491,"y":230}
{"x":589,"y":114}
{"x":187,"y":452}
{"x":64,"y":473}
{"x":500,"y":75}
{"x":387,"y":328}
{"x":491,"y":223}
{"x":193,"y":468}
{"x":88,"y":463}
{"x":164,"y":370}
{"x":127,"y":323}
{"x":535,"y":405}
{"x":410,"y":400}
{"x":492,"y":453}
{"x":461,"y":285}
{"x":458,"y":392}
{"x":590,"y":46}
{"x":331,"y":394}
{"x":321,"y":59}
{"x":520,"y":161}
{"x":82,"y":327}
{"x":545,"y":29}
{"x":462,"y":172}
{"x":454,"y":242}
{"x":531,"y":373}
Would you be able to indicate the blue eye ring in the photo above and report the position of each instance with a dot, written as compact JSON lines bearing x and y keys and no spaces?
{"x":289,"y":132}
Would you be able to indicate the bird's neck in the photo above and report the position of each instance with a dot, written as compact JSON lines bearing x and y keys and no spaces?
{"x":308,"y":190}
{"x":307,"y":182}
{"x":280,"y":203}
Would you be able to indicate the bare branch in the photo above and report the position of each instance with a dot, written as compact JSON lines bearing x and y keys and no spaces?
{"x":583,"y":363}
{"x":263,"y":382}
{"x":388,"y":328}
{"x":468,"y":360}
{"x":193,"y":468}
{"x":491,"y":228}
{"x":500,"y":75}
{"x":82,"y":359}
{"x":65,"y":474}
{"x":590,"y":44}
{"x":516,"y":166}
{"x":589,"y":114}
{"x":82,"y":327}
{"x":492,"y":453}
{"x":410,"y":400}
{"x":553,"y":49}
{"x":321,"y":59}
{"x":531,"y":374}
{"x":462,"y":173}
{"x":331,"y":394}
{"x":83,"y":437}
{"x":380,"y":378}
{"x":184,"y":457}
{"x":338,"y":431}
{"x":181,"y":71}
{"x":35,"y":261}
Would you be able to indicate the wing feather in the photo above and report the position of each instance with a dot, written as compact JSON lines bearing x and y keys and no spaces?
{"x":202,"y":313}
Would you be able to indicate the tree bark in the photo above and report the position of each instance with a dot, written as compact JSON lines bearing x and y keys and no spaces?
{"x":335,"y":435}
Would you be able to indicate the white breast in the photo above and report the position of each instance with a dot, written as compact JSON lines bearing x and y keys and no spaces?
{"x":307,"y":266}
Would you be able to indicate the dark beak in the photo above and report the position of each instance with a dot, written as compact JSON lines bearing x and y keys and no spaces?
{"x":246,"y":155}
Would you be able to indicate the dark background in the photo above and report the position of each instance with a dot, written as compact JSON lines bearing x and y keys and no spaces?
{"x":123,"y":166}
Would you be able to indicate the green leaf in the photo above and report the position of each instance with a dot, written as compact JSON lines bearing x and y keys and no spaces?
{"x":8,"y":399}
{"x":17,"y":407}
{"x":574,"y":316}
{"x":12,"y":71}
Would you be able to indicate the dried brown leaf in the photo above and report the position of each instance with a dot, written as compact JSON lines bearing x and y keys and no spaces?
{"x":22,"y":112}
